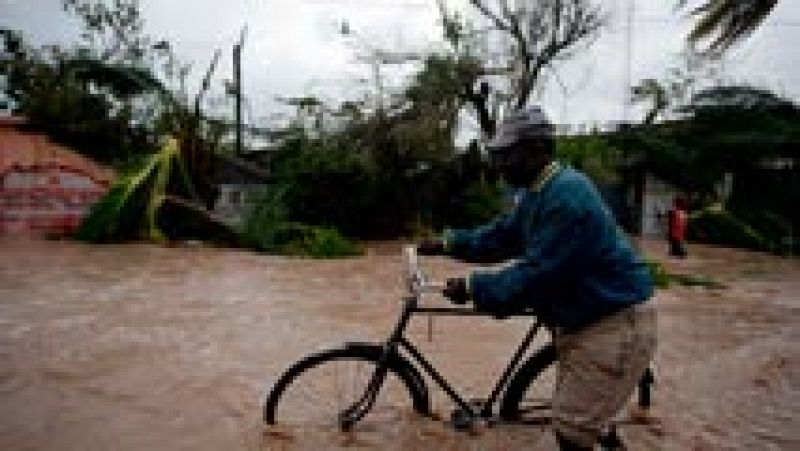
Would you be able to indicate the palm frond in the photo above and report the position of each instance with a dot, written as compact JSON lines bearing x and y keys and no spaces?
{"x":725,"y":22}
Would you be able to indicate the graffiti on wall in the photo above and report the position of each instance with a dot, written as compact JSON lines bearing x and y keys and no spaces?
{"x":50,"y":199}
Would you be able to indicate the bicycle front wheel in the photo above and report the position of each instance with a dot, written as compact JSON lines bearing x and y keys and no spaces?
{"x":316,"y":390}
{"x":529,"y":396}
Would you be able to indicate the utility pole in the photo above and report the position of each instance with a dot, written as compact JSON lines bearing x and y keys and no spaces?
{"x":237,"y":80}
{"x":629,"y":19}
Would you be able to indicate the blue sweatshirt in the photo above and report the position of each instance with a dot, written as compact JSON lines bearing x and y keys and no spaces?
{"x":572,"y":263}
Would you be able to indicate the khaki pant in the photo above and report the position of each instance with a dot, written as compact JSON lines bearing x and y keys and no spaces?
{"x":598,"y":369}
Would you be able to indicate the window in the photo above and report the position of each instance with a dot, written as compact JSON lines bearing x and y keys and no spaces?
{"x":235,"y":197}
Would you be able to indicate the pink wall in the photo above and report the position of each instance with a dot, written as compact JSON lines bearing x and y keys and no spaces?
{"x":45,"y":188}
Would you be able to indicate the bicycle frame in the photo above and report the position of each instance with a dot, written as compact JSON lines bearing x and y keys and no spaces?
{"x":397,"y":341}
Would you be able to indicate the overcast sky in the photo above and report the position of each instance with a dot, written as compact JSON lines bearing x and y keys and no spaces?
{"x":293,"y":47}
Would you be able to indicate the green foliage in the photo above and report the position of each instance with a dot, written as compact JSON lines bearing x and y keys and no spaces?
{"x":94,"y":105}
{"x":750,"y":229}
{"x":723,"y":228}
{"x":695,"y":280}
{"x":320,"y":242}
{"x":727,"y":129}
{"x":478,"y":202}
{"x":324,"y":182}
{"x":740,"y":130}
{"x":114,"y":217}
{"x":373,"y":187}
{"x":267,"y":229}
{"x":776,"y":229}
{"x":442,"y":81}
{"x":593,"y":154}
{"x":661,"y":279}
{"x":106,"y":97}
{"x":131,"y":208}
{"x":381,"y":173}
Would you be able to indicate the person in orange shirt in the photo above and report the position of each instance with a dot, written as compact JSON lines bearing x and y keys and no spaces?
{"x":677,"y":225}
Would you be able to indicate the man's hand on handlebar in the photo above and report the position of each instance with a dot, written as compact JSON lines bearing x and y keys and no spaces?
{"x":432,"y":246}
{"x":456,"y":290}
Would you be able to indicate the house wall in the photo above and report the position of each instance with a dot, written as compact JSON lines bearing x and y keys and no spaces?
{"x":45,"y":188}
{"x":45,"y":200}
{"x":235,"y":201}
{"x":657,"y":199}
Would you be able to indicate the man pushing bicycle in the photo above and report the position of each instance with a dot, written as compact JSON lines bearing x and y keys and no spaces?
{"x":573,"y":266}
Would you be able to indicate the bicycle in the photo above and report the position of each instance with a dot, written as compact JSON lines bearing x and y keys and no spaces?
{"x":392,"y":363}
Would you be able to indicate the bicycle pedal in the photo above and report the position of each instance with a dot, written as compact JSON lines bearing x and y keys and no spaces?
{"x":461,"y":420}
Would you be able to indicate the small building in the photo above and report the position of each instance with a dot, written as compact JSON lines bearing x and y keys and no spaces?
{"x":657,"y":199}
{"x":644,"y":199}
{"x":239,"y":182}
{"x":45,"y":188}
{"x":7,"y":104}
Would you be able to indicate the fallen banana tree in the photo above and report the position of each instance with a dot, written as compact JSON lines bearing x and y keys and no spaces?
{"x":159,"y":202}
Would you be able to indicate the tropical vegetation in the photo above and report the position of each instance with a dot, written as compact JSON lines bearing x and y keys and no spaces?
{"x":389,"y":167}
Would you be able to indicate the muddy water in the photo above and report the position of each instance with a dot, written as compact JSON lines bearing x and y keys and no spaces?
{"x":142,"y":347}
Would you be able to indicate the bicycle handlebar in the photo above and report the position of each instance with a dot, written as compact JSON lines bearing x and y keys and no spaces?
{"x":417,"y":282}
{"x":416,"y":279}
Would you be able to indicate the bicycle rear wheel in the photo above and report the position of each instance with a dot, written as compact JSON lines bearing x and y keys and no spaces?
{"x":317,"y":389}
{"x":528,"y":397}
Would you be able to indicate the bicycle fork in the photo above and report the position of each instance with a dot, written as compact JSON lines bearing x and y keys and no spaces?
{"x":353,"y":414}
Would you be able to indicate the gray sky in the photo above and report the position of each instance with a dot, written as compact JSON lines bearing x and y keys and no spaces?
{"x":293,"y":47}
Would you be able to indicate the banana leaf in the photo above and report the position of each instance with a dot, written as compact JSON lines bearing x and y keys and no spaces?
{"x":131,"y":208}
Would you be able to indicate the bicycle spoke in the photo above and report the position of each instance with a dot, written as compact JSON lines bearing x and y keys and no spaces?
{"x":537,"y":401}
{"x":324,"y":392}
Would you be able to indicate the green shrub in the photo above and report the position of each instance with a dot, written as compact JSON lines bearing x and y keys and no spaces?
{"x":660,"y":276}
{"x":593,"y":154}
{"x":478,"y":203}
{"x":319,"y":242}
{"x":723,"y":228}
{"x":774,"y":228}
{"x":264,"y":227}
{"x":327,"y":184}
{"x":695,"y":280}
{"x":267,"y":229}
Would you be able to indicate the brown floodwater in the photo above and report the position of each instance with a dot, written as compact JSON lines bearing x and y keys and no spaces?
{"x":145,"y":347}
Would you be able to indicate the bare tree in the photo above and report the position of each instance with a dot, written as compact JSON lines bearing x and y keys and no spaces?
{"x":533,"y":37}
{"x":539,"y":34}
